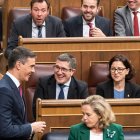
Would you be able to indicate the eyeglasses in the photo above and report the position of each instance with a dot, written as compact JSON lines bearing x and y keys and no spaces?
{"x":64,"y":70}
{"x":119,"y":70}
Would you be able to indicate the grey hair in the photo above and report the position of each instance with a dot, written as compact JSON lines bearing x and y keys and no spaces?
{"x":68,"y":58}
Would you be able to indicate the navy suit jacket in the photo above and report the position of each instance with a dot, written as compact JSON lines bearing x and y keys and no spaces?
{"x":46,"y":89}
{"x":74,"y":26}
{"x":23,"y":27}
{"x":13,"y":124}
{"x":106,"y":89}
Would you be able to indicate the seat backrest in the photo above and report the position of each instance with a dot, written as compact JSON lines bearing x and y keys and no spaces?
{"x":131,"y":135}
{"x":98,"y":73}
{"x":68,"y":12}
{"x":55,"y":136}
{"x":16,"y":13}
{"x":30,"y":86}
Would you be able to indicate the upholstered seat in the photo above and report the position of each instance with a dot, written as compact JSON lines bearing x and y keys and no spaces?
{"x":130,"y":135}
{"x":68,"y":12}
{"x":16,"y":13}
{"x":40,"y":71}
{"x":56,"y":136}
{"x":97,"y":73}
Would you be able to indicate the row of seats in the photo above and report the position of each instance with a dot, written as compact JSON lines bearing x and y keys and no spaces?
{"x":66,"y":13}
{"x":128,"y":135}
{"x":98,"y":73}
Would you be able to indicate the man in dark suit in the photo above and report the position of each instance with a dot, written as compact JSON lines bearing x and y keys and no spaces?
{"x":89,"y":23}
{"x":50,"y":87}
{"x":28,"y":26}
{"x":13,"y":125}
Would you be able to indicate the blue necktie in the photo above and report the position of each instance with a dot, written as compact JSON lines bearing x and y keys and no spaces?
{"x":61,"y":94}
{"x":39,"y":31}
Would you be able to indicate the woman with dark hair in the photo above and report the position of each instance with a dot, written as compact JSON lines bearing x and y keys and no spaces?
{"x":119,"y":85}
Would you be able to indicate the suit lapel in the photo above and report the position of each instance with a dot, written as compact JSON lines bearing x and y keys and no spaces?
{"x":79,"y":28}
{"x":129,"y":19}
{"x":72,"y":89}
{"x":110,"y":90}
{"x":52,"y":88}
{"x":109,"y":133}
{"x":48,"y":27}
{"x":128,"y":91}
{"x":97,"y":22}
{"x":84,"y":133}
{"x":17,"y":97}
{"x":29,"y":27}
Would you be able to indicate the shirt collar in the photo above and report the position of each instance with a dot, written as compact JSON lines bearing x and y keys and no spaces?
{"x":138,"y":10}
{"x":14,"y":79}
{"x":67,"y":84}
{"x":34,"y":25}
{"x":85,"y":22}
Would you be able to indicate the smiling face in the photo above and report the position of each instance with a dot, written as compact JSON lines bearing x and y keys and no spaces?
{"x":63,"y":71}
{"x":25,"y":70}
{"x":39,"y":12}
{"x":90,"y":118}
{"x":118,"y":71}
{"x":89,"y":9}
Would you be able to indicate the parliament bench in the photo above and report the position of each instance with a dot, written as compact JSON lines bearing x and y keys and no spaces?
{"x":128,"y":135}
{"x":61,"y":114}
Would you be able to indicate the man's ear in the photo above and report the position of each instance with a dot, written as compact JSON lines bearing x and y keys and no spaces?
{"x":18,"y":65}
{"x":73,"y":71}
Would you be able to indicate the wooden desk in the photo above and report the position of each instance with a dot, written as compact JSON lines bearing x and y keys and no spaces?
{"x":86,"y":50}
{"x":61,"y":114}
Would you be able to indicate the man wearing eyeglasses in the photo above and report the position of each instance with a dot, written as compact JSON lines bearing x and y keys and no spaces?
{"x":62,"y":84}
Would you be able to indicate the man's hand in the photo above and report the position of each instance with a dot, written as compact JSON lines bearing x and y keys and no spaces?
{"x":38,"y":127}
{"x":96,"y":32}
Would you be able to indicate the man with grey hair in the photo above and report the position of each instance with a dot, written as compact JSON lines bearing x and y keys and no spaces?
{"x":62,"y":84}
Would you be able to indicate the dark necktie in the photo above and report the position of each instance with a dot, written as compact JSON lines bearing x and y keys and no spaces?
{"x":61,"y":94}
{"x":39,"y":31}
{"x":20,"y":90}
{"x":90,"y":27}
{"x":135,"y":24}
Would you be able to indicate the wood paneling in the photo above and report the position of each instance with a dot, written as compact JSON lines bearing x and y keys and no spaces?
{"x":86,"y":51}
{"x":62,"y":114}
{"x":99,"y":56}
{"x":57,"y":5}
{"x":64,"y":3}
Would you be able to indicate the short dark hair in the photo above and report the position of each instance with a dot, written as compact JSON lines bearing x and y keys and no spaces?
{"x":126,"y":62}
{"x":33,"y":1}
{"x":98,"y":1}
{"x":68,"y":58}
{"x":19,"y":54}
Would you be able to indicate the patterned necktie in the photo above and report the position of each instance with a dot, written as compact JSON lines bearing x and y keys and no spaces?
{"x":135,"y":24}
{"x":61,"y":94}
{"x":39,"y":31}
{"x":90,"y":27}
